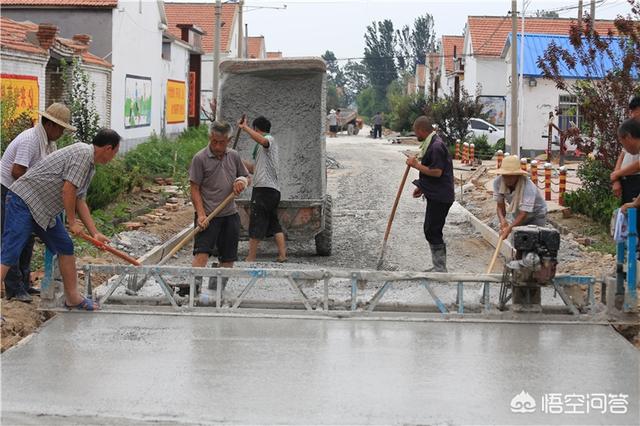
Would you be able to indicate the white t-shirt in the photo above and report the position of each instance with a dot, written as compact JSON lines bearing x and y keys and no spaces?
{"x":24,"y":150}
{"x":333,"y":119}
{"x":532,"y":201}
{"x":629,"y":159}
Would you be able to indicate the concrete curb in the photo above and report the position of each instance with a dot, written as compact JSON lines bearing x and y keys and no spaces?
{"x":489,"y":234}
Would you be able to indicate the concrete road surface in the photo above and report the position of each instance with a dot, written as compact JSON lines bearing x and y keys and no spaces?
{"x":132,"y":369}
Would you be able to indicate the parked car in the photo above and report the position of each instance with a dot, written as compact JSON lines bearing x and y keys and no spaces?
{"x":479,"y":127}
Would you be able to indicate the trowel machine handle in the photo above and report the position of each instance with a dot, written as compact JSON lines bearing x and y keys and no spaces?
{"x":106,"y":247}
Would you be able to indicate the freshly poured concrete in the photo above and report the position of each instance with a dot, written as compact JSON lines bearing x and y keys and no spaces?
{"x":115,"y":369}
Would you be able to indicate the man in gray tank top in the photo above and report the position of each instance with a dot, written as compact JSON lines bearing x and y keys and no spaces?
{"x":265,"y":196}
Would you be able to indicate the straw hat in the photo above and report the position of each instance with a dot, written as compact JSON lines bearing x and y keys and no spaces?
{"x":510,"y":166}
{"x":59,"y":114}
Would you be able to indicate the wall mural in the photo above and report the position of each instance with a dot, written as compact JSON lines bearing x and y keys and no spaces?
{"x":137,"y":102}
{"x":495,"y":107}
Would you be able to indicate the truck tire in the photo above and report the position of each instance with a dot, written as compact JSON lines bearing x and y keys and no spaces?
{"x":323,"y":239}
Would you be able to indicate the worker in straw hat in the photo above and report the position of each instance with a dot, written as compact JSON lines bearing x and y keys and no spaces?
{"x":525,"y":203}
{"x":24,"y":152}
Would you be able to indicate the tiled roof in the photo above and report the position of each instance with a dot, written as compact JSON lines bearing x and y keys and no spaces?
{"x":448,"y":43}
{"x":13,"y":36}
{"x":107,"y":4}
{"x":274,"y":55}
{"x":489,"y":33}
{"x":255,"y":47}
{"x":202,"y":15}
{"x":87,"y":57}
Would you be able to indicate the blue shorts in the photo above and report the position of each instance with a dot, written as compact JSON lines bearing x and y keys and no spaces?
{"x":19,"y":225}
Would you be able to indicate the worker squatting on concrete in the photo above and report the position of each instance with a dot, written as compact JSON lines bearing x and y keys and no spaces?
{"x":435,"y":183}
{"x":215,"y":172}
{"x":25,"y":151}
{"x":629,"y":137}
{"x":57,"y":183}
{"x":513,"y":186}
{"x":265,"y":196}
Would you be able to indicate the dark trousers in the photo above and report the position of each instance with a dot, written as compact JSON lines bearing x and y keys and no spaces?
{"x":630,"y":190}
{"x":434,"y":219}
{"x":377,"y":131}
{"x":18,"y":278}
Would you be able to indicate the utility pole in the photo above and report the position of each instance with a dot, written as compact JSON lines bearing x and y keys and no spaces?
{"x":240,"y":30}
{"x":216,"y":53}
{"x":514,"y":79}
{"x":246,"y":40}
{"x":580,"y":14}
{"x":593,"y":16}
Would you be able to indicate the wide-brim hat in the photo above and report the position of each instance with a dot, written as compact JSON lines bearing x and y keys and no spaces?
{"x":511,"y":167}
{"x":332,"y":111}
{"x":59,"y":114}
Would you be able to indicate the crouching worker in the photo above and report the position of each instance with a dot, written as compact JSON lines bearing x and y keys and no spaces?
{"x":33,"y":205}
{"x":513,"y":186}
{"x":265,"y":196}
{"x":215,"y":172}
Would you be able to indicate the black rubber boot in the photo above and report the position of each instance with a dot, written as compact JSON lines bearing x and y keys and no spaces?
{"x":438,"y":258}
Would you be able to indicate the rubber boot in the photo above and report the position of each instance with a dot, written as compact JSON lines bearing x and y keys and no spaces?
{"x":438,"y":258}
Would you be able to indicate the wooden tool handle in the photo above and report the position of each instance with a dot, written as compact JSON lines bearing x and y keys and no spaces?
{"x":106,"y":247}
{"x":197,"y":229}
{"x":238,"y":130}
{"x":495,"y":255}
{"x":396,"y":202}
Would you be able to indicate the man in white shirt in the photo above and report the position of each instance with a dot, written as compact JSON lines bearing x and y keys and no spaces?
{"x":24,"y":152}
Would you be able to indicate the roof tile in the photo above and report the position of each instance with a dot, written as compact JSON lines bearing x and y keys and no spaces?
{"x":489,"y":33}
{"x":108,"y":4}
{"x":202,"y":15}
{"x":448,"y":44}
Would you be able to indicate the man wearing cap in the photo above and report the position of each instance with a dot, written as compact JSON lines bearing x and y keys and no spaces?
{"x":34,"y":202}
{"x":513,"y":186}
{"x":24,"y":152}
{"x":333,"y":123}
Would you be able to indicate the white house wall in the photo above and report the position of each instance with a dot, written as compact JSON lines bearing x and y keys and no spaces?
{"x":137,"y":50}
{"x":470,"y":66}
{"x":488,"y":74}
{"x":100,"y":77}
{"x":16,"y":63}
{"x":206,"y":78}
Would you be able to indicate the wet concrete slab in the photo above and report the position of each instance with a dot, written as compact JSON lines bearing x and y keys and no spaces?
{"x":116,"y":369}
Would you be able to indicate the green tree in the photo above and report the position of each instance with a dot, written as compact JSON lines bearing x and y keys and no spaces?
{"x":81,"y":101}
{"x":333,"y":68}
{"x":356,"y":80}
{"x":369,"y":102}
{"x":452,"y":117}
{"x":403,"y":109}
{"x":413,"y":44}
{"x":541,"y":13}
{"x":612,"y":66}
{"x":379,"y":55}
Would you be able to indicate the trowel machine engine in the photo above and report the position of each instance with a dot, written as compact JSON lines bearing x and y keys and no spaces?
{"x":533,"y":266}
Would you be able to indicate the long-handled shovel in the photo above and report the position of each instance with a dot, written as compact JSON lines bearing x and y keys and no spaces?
{"x":106,"y":247}
{"x":238,"y":130}
{"x":196,"y":229}
{"x":495,"y":255}
{"x":391,"y":216}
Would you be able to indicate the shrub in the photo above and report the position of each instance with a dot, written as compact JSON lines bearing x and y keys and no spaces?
{"x":595,"y":198}
{"x":110,"y":181}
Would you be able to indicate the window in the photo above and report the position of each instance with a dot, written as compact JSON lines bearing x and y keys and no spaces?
{"x":166,"y":50}
{"x":479,"y":125}
{"x":568,"y":112}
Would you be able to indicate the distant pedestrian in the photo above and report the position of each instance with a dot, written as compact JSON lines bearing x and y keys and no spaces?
{"x":265,"y":196}
{"x":377,"y":125}
{"x":24,"y":152}
{"x":215,"y":172}
{"x":333,"y":123}
{"x":58,"y":183}
{"x":435,"y":183}
{"x":525,"y":203}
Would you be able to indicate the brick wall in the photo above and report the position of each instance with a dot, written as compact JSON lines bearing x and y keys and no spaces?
{"x":102,"y":80}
